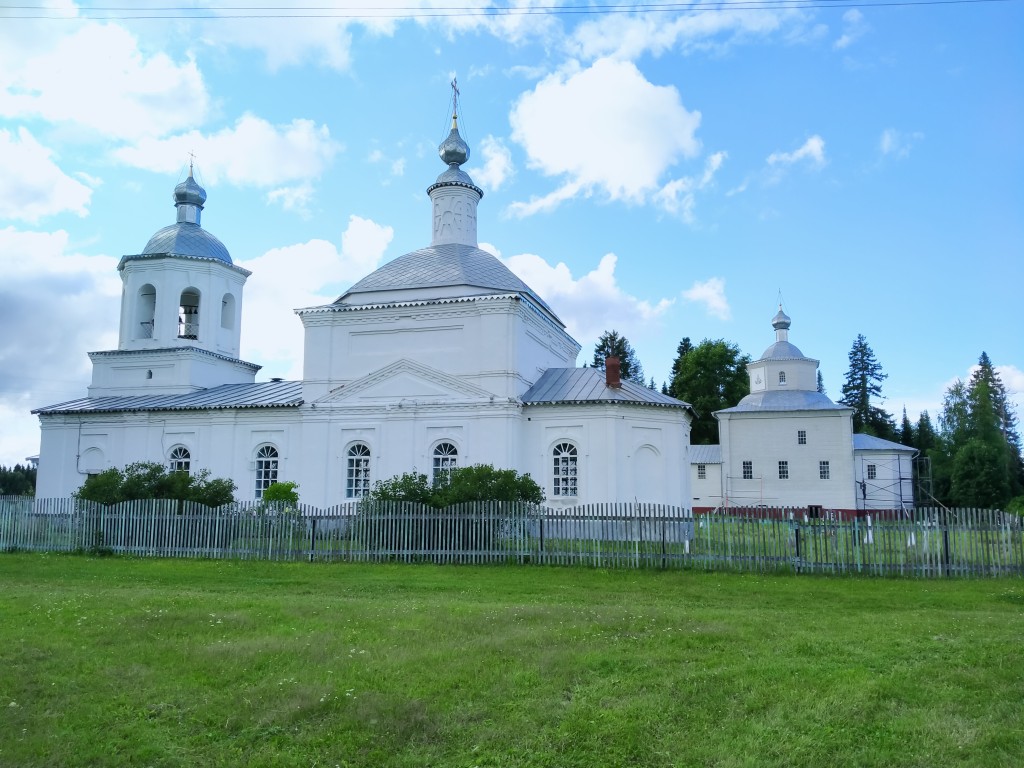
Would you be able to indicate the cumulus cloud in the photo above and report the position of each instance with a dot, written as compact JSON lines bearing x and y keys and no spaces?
{"x":590,"y":304}
{"x":497,"y":167}
{"x":854,"y":27}
{"x":604,"y":128}
{"x":893,"y":143}
{"x":710,"y":293}
{"x":251,"y":153}
{"x":678,"y":196}
{"x":623,"y":36}
{"x":32,"y":186}
{"x":58,"y":305}
{"x":812,"y":151}
{"x":97,"y":80}
{"x":271,"y":334}
{"x":295,"y":198}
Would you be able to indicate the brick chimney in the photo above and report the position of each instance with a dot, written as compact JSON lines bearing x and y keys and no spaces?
{"x":612,"y":368}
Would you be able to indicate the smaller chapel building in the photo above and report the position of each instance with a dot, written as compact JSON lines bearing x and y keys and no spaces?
{"x":440,"y":358}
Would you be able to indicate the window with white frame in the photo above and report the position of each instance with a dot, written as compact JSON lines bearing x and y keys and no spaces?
{"x":823,"y":470}
{"x":872,"y":471}
{"x":783,"y":470}
{"x":702,"y":471}
{"x":357,"y":471}
{"x":179,"y":460}
{"x":267,"y":463}
{"x":565,"y":477}
{"x":748,"y":470}
{"x":446,"y":458}
{"x":782,"y":377}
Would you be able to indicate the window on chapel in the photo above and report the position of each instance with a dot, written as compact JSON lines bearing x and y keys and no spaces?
{"x":565,"y":477}
{"x":357,"y":471}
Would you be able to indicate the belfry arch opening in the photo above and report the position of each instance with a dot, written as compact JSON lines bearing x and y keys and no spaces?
{"x":145,"y":312}
{"x":188,"y":314}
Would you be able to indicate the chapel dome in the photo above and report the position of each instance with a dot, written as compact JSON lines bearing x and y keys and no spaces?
{"x":186,"y":237}
{"x":782,"y":350}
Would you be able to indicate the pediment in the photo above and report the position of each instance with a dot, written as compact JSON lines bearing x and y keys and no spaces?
{"x":404,"y":380}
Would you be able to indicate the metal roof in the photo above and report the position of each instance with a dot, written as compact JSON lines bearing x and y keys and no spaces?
{"x":267,"y":394}
{"x":787,"y":400}
{"x":437,"y":266}
{"x":705,"y":454}
{"x":184,"y":238}
{"x":179,"y":351}
{"x":871,"y":443}
{"x":782,"y":350}
{"x":587,"y":385}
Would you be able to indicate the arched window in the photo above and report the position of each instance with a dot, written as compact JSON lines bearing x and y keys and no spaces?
{"x":357,"y":476}
{"x":565,"y":476}
{"x":227,"y":312}
{"x":782,"y":377}
{"x":188,"y":314}
{"x":145,"y":311}
{"x":446,"y":458}
{"x":267,"y":462}
{"x":179,"y":460}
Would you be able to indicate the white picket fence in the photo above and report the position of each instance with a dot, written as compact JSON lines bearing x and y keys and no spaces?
{"x":922,"y":542}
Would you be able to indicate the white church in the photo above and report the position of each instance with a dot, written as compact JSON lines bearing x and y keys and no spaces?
{"x":440,"y":358}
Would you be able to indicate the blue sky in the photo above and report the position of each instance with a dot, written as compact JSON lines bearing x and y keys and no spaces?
{"x":665,"y":174}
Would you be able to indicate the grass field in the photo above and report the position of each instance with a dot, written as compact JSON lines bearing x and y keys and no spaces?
{"x":146,"y":662}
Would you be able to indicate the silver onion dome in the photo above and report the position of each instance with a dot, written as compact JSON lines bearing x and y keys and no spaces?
{"x":186,"y":237}
{"x":453,"y":150}
{"x":781,"y":321}
{"x":189,"y":192}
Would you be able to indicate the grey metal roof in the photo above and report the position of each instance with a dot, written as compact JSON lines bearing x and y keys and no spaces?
{"x":871,"y":443}
{"x":186,"y":239}
{"x":705,"y":454}
{"x":438,"y":266}
{"x":782,"y":350}
{"x":180,"y":351}
{"x":267,"y":394}
{"x":587,"y":385}
{"x":787,"y":400}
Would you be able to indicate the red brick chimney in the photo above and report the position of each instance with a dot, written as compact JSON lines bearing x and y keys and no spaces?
{"x":612,"y":368}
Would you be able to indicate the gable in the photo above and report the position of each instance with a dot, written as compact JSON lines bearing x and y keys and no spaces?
{"x":404,"y":380}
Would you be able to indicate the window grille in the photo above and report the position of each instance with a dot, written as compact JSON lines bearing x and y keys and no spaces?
{"x":357,"y":477}
{"x":702,"y":471}
{"x":748,"y":470}
{"x":180,"y":459}
{"x":872,"y":472}
{"x":446,"y":458}
{"x":782,"y":377}
{"x":565,"y":478}
{"x":801,"y":437}
{"x":823,"y":470}
{"x":267,"y":461}
{"x":783,"y":470}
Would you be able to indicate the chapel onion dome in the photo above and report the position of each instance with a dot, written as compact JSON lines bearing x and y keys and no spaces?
{"x":781,"y":321}
{"x":782,"y":349}
{"x":186,"y":237}
{"x":454,"y":152}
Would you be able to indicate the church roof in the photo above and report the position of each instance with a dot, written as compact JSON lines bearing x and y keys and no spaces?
{"x":705,"y":454}
{"x":782,"y":350}
{"x":267,"y":394}
{"x":186,"y":239}
{"x":441,"y":266}
{"x":787,"y":400}
{"x":587,"y":385}
{"x":863,"y":442}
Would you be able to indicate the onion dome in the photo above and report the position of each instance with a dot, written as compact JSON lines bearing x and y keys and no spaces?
{"x":781,"y":321}
{"x":454,"y":151}
{"x":186,"y":237}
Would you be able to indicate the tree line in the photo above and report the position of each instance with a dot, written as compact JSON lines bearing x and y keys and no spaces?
{"x":19,"y":480}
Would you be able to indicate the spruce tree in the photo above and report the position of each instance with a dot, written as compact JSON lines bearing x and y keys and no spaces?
{"x":864,"y":384}
{"x":611,"y":344}
{"x":906,"y":430}
{"x":821,"y":384}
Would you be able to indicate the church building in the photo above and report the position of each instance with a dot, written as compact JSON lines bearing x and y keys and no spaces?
{"x":440,"y":358}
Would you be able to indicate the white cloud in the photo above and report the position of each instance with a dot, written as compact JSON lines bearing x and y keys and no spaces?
{"x":602,"y":128}
{"x":272,"y":335}
{"x":812,"y":151}
{"x":32,"y":186}
{"x":253,"y":152}
{"x":629,"y":37}
{"x":57,"y":305}
{"x":96,"y":78}
{"x":677,"y":197}
{"x":894,"y":143}
{"x":295,"y":198}
{"x":854,"y":27}
{"x":588,"y":305}
{"x":710,"y":293}
{"x":497,"y":167}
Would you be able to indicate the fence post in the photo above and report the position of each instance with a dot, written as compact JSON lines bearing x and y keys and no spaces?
{"x":944,"y":516}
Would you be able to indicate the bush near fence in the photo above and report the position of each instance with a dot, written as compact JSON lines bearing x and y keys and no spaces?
{"x":918,"y":542}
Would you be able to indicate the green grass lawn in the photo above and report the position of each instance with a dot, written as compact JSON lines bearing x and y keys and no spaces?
{"x":134,"y":662}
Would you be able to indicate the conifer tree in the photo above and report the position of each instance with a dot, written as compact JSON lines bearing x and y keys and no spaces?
{"x":906,"y":430}
{"x":611,"y":344}
{"x":821,"y":384}
{"x":864,"y":384}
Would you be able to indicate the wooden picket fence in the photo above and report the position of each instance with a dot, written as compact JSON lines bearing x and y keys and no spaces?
{"x":919,"y":542}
